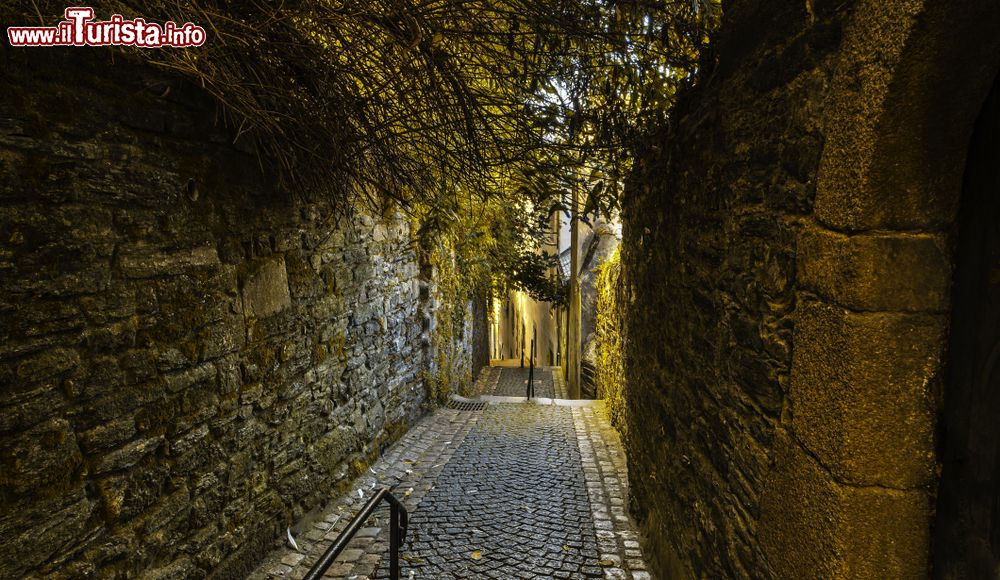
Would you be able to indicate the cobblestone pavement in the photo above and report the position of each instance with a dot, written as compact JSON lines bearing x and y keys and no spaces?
{"x":512,"y":503}
{"x":511,"y":381}
{"x":512,"y":491}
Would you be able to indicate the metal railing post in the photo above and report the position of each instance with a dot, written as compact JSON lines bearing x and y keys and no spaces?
{"x":531,"y":371}
{"x":393,"y":541}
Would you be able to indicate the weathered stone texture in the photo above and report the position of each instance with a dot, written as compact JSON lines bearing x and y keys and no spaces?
{"x":885,"y":272}
{"x":190,"y":357}
{"x":788,"y":264}
{"x":709,"y":260}
{"x":813,"y":527}
{"x":860,"y":393}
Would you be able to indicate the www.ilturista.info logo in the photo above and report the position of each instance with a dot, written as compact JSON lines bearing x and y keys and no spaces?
{"x":80,"y":29}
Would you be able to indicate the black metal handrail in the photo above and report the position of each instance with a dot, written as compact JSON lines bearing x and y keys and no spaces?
{"x":397,"y":532}
{"x":530,"y":386}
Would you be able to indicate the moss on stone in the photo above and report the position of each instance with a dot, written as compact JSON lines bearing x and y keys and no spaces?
{"x":319,"y":354}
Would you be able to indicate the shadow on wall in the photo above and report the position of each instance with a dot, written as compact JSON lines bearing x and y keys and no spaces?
{"x":968,"y":505}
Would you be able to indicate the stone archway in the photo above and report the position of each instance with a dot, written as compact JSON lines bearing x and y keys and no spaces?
{"x":852,"y":491}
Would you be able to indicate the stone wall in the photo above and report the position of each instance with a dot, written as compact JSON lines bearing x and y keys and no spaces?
{"x":710,"y":261}
{"x":788,"y":255}
{"x":480,"y":356}
{"x":190,"y":356}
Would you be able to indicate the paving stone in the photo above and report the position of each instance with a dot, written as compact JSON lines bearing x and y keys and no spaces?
{"x":523,"y":462}
{"x":277,"y":570}
{"x":351,"y":555}
{"x":368,"y":532}
{"x":339,"y":570}
{"x":486,"y":383}
{"x":292,"y":559}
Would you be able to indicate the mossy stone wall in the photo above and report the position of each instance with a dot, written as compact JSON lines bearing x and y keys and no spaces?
{"x":190,"y":355}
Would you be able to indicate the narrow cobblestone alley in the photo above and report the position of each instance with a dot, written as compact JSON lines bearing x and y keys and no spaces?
{"x":500,"y":289}
{"x":512,"y":490}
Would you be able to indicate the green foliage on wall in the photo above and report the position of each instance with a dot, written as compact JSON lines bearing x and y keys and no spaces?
{"x":451,"y":370}
{"x":610,"y":337}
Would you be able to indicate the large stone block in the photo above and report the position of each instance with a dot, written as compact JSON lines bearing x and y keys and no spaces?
{"x":201,"y":376}
{"x":265,"y":287}
{"x":108,"y":435}
{"x":813,"y":527}
{"x":846,"y":197}
{"x":126,"y":456}
{"x":144,"y":262}
{"x":894,"y":272}
{"x":47,"y":364}
{"x":126,"y":495}
{"x":861,"y":392}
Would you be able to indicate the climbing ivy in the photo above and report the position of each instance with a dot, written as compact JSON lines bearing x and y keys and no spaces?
{"x":451,"y":369}
{"x":610,"y":339}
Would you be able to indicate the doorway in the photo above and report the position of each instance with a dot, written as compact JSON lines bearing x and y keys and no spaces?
{"x":967,"y":525}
